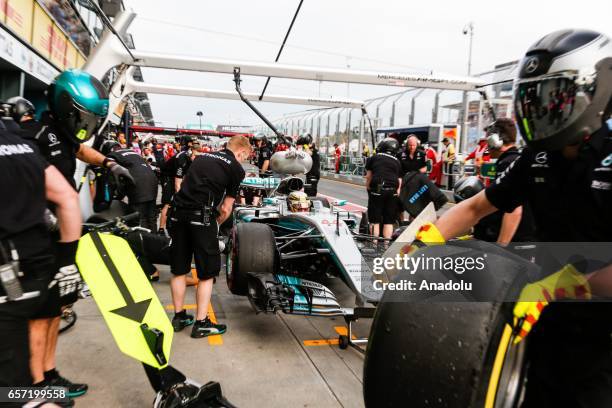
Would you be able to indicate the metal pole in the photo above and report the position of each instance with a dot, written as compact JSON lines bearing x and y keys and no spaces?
{"x":361,"y":134}
{"x":318,"y":130}
{"x":349,"y":130}
{"x":434,"y":112}
{"x":467,"y":30}
{"x":327,"y":133}
{"x":22,"y":79}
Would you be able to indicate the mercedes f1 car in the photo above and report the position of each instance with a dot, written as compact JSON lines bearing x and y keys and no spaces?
{"x":277,"y":258}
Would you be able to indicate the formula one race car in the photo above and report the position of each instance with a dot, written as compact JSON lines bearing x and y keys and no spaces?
{"x":276,"y":257}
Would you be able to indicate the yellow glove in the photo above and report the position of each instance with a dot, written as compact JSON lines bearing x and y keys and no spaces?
{"x":568,"y":283}
{"x":430,"y":234}
{"x":427,"y":235}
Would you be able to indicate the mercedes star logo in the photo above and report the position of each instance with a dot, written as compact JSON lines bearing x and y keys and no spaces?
{"x":541,"y":158}
{"x":52,"y":138}
{"x":531,"y":65}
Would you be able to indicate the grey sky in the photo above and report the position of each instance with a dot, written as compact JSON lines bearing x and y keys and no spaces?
{"x":389,"y":36}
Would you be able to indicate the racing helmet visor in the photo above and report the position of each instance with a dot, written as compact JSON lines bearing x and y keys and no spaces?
{"x":545,"y":106}
{"x":82,"y":123}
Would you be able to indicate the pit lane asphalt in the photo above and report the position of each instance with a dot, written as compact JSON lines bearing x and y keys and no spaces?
{"x":262,"y":360}
{"x":344,"y":191}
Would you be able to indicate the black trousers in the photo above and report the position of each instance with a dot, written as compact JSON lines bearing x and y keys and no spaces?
{"x":382,"y":207}
{"x":192,"y":239}
{"x":312,"y":182}
{"x":147,"y":217}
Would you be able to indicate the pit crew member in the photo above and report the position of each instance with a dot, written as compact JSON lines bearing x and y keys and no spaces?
{"x":204,"y":202}
{"x":383,"y":183}
{"x":565,"y":174}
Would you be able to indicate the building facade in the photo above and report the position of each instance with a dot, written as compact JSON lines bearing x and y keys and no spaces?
{"x":41,"y":38}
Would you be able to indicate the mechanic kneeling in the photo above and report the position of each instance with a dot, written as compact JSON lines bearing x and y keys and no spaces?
{"x":383,"y":183}
{"x":204,"y":201}
{"x":29,"y":274}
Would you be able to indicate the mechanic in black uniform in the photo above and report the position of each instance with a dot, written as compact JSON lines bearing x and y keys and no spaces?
{"x":30,"y":277}
{"x":183,"y":160}
{"x":314,"y":174}
{"x":204,"y":202}
{"x":516,"y":226}
{"x":264,"y":154}
{"x":565,"y":174}
{"x":383,"y":183}
{"x":412,"y":158}
{"x":78,"y":103}
{"x":172,"y":173}
{"x":143,"y":193}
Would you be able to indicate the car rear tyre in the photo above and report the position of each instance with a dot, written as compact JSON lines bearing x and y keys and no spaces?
{"x":253,"y":249}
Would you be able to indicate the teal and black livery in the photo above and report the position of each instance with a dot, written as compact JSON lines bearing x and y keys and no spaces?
{"x":79,"y":102}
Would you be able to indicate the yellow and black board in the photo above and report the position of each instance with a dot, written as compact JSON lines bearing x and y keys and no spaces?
{"x":123,"y":294}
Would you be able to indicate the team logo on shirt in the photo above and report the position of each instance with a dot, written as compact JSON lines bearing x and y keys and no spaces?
{"x":607,"y":161}
{"x":601,"y":185}
{"x":541,"y":158}
{"x":52,"y":139}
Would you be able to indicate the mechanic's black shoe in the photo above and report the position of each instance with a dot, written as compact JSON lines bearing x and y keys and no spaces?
{"x":74,"y":389}
{"x":180,"y":321}
{"x":204,"y":328}
{"x":69,"y":403}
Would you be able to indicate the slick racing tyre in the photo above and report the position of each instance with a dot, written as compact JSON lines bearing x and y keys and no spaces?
{"x":253,"y":249}
{"x":441,"y":353}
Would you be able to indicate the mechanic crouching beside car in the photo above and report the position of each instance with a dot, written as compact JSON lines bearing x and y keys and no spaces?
{"x":204,"y":201}
{"x":383,"y":183}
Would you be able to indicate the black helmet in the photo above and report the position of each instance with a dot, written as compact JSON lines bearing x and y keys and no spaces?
{"x":467,"y":187}
{"x":109,"y":146}
{"x":564,"y":88}
{"x":186,"y":139}
{"x":388,"y":145}
{"x":21,"y":107}
{"x":305,"y":139}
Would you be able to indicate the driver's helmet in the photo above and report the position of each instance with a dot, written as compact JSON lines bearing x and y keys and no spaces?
{"x":298,"y":201}
{"x":467,"y":187}
{"x":79,"y":102}
{"x":563,"y":92}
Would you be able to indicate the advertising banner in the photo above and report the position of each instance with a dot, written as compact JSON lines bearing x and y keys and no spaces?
{"x":13,"y":51}
{"x":42,"y":32}
{"x":3,"y":4}
{"x":71,"y":56}
{"x":19,"y":17}
{"x":58,"y":47}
